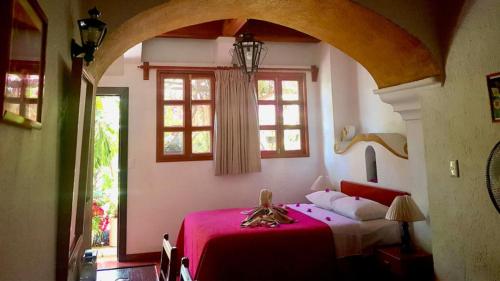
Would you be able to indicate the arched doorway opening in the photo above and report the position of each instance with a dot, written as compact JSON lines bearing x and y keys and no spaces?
{"x":392,"y":55}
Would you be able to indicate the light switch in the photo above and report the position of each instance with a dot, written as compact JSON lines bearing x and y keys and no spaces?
{"x":454,"y":168}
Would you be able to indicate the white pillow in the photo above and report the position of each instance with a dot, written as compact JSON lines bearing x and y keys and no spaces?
{"x":324,"y":199}
{"x":362,"y":209}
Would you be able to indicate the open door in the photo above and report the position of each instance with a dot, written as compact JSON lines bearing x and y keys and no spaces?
{"x":75,"y":180}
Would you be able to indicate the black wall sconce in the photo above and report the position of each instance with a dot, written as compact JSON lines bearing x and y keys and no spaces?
{"x":92,"y":32}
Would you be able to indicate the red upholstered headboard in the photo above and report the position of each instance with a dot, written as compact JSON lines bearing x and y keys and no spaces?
{"x":375,"y":193}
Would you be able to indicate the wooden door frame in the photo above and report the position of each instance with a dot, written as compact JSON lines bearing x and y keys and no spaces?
{"x":121,"y":92}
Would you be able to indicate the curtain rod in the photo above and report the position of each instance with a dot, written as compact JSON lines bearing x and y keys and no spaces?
{"x":146,"y":67}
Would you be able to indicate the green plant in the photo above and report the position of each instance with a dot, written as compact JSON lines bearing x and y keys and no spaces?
{"x":105,"y":182}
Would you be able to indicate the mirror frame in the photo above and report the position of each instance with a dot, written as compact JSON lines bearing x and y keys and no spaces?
{"x":6,"y":22}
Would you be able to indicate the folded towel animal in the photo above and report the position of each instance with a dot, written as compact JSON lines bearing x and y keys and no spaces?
{"x":266,"y":214}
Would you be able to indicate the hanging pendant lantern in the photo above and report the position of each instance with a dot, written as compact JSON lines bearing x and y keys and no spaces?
{"x":248,"y":52}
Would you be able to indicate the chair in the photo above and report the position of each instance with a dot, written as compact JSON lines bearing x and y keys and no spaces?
{"x":185,"y":276}
{"x":168,"y":263}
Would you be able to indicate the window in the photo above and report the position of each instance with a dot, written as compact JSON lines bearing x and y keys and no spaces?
{"x":21,"y":95}
{"x":282,"y":114}
{"x":185,"y":116}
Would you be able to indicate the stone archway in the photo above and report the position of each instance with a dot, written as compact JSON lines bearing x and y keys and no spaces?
{"x":391,"y":55}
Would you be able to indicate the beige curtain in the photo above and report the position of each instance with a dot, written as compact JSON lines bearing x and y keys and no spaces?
{"x":237,"y":148}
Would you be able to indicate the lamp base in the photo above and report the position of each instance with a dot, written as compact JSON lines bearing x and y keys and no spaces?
{"x":406,"y":246}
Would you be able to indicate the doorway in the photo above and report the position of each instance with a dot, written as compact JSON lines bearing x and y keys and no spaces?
{"x":109,"y":213}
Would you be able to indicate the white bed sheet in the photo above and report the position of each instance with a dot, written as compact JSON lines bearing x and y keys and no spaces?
{"x":352,"y":237}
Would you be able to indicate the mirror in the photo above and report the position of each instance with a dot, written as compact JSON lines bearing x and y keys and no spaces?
{"x":22,"y":62}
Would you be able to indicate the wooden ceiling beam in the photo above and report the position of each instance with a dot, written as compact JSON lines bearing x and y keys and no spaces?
{"x":263,"y":31}
{"x":266,"y":31}
{"x":207,"y":30}
{"x":231,"y":27}
{"x":288,"y":39}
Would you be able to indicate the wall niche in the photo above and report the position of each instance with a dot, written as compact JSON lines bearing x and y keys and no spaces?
{"x":371,"y":164}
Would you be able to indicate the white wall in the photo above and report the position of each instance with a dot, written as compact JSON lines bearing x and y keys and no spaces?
{"x":161,"y":194}
{"x":182,"y":51}
{"x":392,"y":171}
{"x":375,"y":116}
{"x":327,"y":120}
{"x":346,"y":91}
{"x":216,"y":52}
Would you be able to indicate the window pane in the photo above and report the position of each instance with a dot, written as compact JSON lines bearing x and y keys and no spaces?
{"x":173,"y":89}
{"x":173,"y":116}
{"x":201,"y":142}
{"x":265,"y":89}
{"x":291,"y":114}
{"x":32,"y":86}
{"x":201,"y":115}
{"x":31,"y":111}
{"x":292,"y":139}
{"x":290,"y":90}
{"x":200,"y":89}
{"x":173,"y":143}
{"x":12,"y":107}
{"x":14,"y":85}
{"x":267,"y":115}
{"x":267,"y":140}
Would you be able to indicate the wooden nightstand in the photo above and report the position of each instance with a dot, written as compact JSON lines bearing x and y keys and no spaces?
{"x":402,"y":266}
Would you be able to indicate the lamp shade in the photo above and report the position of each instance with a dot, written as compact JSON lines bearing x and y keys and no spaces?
{"x":321,"y":183}
{"x":92,"y":30}
{"x":403,"y":208}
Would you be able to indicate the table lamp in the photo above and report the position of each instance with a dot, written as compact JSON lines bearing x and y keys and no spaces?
{"x":404,"y":209}
{"x":321,"y":183}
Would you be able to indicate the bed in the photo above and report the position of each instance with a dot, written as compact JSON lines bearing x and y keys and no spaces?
{"x":219,"y":249}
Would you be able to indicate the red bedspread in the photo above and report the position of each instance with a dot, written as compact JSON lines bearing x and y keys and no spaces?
{"x":219,"y":249}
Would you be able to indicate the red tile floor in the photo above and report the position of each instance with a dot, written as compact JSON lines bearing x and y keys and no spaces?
{"x":117,"y":264}
{"x":109,"y":268}
{"x":137,"y":273}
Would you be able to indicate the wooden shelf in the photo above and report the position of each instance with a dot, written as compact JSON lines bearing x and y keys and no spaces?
{"x":395,"y":143}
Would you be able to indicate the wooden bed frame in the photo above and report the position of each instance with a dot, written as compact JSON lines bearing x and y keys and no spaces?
{"x":379,"y":194}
